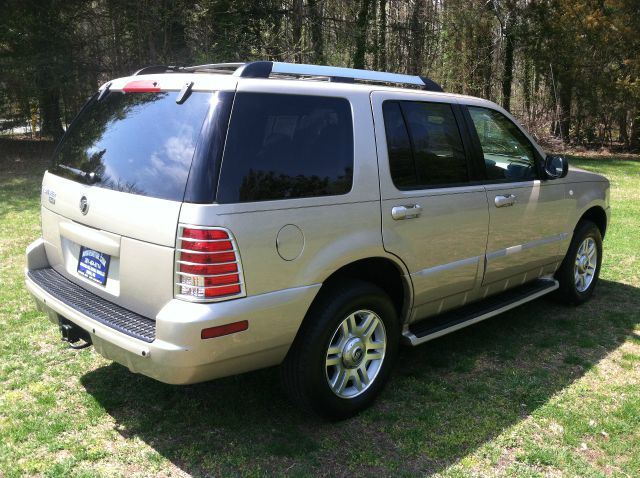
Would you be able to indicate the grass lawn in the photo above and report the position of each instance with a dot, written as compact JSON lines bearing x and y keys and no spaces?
{"x":542,"y":390}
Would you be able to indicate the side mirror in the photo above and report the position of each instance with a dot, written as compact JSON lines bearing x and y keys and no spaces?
{"x":555,"y":166}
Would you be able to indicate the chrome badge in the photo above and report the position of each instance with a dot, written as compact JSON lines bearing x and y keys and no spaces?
{"x":51,"y":194}
{"x":84,"y":205}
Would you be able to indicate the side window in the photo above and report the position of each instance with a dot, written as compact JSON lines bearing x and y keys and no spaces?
{"x":508,"y":154}
{"x":424,"y":145}
{"x":286,"y":146}
{"x":403,"y":170}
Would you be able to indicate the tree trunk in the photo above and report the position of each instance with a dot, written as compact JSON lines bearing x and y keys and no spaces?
{"x":622,"y":124}
{"x":507,"y":74}
{"x":634,"y":139}
{"x":361,"y":34}
{"x":152,"y":53}
{"x":565,"y":96}
{"x":526,"y":88}
{"x":417,"y":40}
{"x":382,"y":36}
{"x":49,"y":103}
{"x":296,"y":30}
{"x":317,"y":42}
{"x":375,"y":48}
{"x":272,"y":48}
{"x":487,"y":66}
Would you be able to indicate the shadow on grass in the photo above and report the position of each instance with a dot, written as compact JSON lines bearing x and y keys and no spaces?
{"x":445,"y":399}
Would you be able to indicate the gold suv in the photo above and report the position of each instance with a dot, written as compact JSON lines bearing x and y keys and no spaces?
{"x":204,"y":221}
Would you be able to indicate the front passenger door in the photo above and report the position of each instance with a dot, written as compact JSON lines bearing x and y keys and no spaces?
{"x":526,"y":214}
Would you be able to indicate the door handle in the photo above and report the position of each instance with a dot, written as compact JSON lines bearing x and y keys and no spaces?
{"x":406,"y":212}
{"x":504,"y":201}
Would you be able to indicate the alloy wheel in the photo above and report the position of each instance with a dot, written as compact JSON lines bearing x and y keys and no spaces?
{"x":585,"y":264}
{"x":355,"y":353}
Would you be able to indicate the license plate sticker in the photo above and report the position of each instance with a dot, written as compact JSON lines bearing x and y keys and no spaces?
{"x":93,"y":265}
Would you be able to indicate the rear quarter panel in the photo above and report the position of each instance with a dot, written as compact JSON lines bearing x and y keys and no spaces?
{"x":337,"y":230}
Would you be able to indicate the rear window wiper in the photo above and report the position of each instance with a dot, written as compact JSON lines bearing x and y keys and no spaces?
{"x":91,"y":178}
{"x":185,"y":92}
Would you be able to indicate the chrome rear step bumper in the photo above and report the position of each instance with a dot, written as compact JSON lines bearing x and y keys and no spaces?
{"x":94,"y":307}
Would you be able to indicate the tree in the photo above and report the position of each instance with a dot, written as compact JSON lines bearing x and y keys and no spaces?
{"x":571,"y":67}
{"x":317,"y":39}
{"x":382,"y":36}
{"x":507,"y":12}
{"x":36,"y":42}
{"x":361,"y":34}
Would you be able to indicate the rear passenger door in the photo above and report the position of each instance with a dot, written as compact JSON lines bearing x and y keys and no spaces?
{"x":433,"y":215}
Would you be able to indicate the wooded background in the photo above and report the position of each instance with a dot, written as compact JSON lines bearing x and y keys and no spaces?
{"x":567,"y":69}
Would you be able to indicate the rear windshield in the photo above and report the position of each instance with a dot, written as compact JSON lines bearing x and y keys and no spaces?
{"x":139,"y":143}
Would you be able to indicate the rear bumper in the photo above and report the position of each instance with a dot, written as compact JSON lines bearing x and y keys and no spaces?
{"x":177,"y":354}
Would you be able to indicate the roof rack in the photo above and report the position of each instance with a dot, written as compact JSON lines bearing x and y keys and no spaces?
{"x":150,"y":70}
{"x":218,"y":67}
{"x":266,"y":69}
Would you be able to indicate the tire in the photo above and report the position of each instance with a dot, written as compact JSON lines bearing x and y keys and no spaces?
{"x":576,"y":283}
{"x":341,"y":318}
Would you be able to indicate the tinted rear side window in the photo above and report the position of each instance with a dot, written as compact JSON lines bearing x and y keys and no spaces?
{"x":430,"y":132}
{"x":286,"y":146}
{"x":401,"y":163}
{"x":139,"y":143}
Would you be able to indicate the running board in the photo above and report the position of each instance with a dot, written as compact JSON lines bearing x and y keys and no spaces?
{"x":440,"y":325}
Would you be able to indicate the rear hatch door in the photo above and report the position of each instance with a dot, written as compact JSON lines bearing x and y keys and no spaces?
{"x":112,"y":198}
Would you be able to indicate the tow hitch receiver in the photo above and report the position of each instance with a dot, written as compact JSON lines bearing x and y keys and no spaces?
{"x":73,"y":334}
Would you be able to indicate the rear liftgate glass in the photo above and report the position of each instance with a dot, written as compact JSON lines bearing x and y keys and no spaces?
{"x":145,"y":142}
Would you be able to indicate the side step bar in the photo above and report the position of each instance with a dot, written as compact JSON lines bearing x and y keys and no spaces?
{"x":443,"y":324}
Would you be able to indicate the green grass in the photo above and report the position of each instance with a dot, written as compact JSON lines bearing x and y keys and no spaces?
{"x":543,"y":390}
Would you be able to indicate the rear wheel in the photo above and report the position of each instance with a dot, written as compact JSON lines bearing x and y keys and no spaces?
{"x":344,"y":351}
{"x":578,"y":274}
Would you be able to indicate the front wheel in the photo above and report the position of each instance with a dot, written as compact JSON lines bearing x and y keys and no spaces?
{"x":578,"y":274}
{"x":344,"y":351}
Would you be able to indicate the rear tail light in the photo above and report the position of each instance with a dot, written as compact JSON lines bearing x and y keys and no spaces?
{"x":208,"y":267}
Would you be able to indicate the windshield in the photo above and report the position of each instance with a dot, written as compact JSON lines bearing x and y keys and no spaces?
{"x":139,"y":143}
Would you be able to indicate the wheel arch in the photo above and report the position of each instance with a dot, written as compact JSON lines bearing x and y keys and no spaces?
{"x":382,"y":272}
{"x":598,"y":216}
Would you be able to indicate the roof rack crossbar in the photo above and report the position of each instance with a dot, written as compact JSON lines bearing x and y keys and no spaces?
{"x":151,"y":69}
{"x":218,"y":67}
{"x":213,"y":66}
